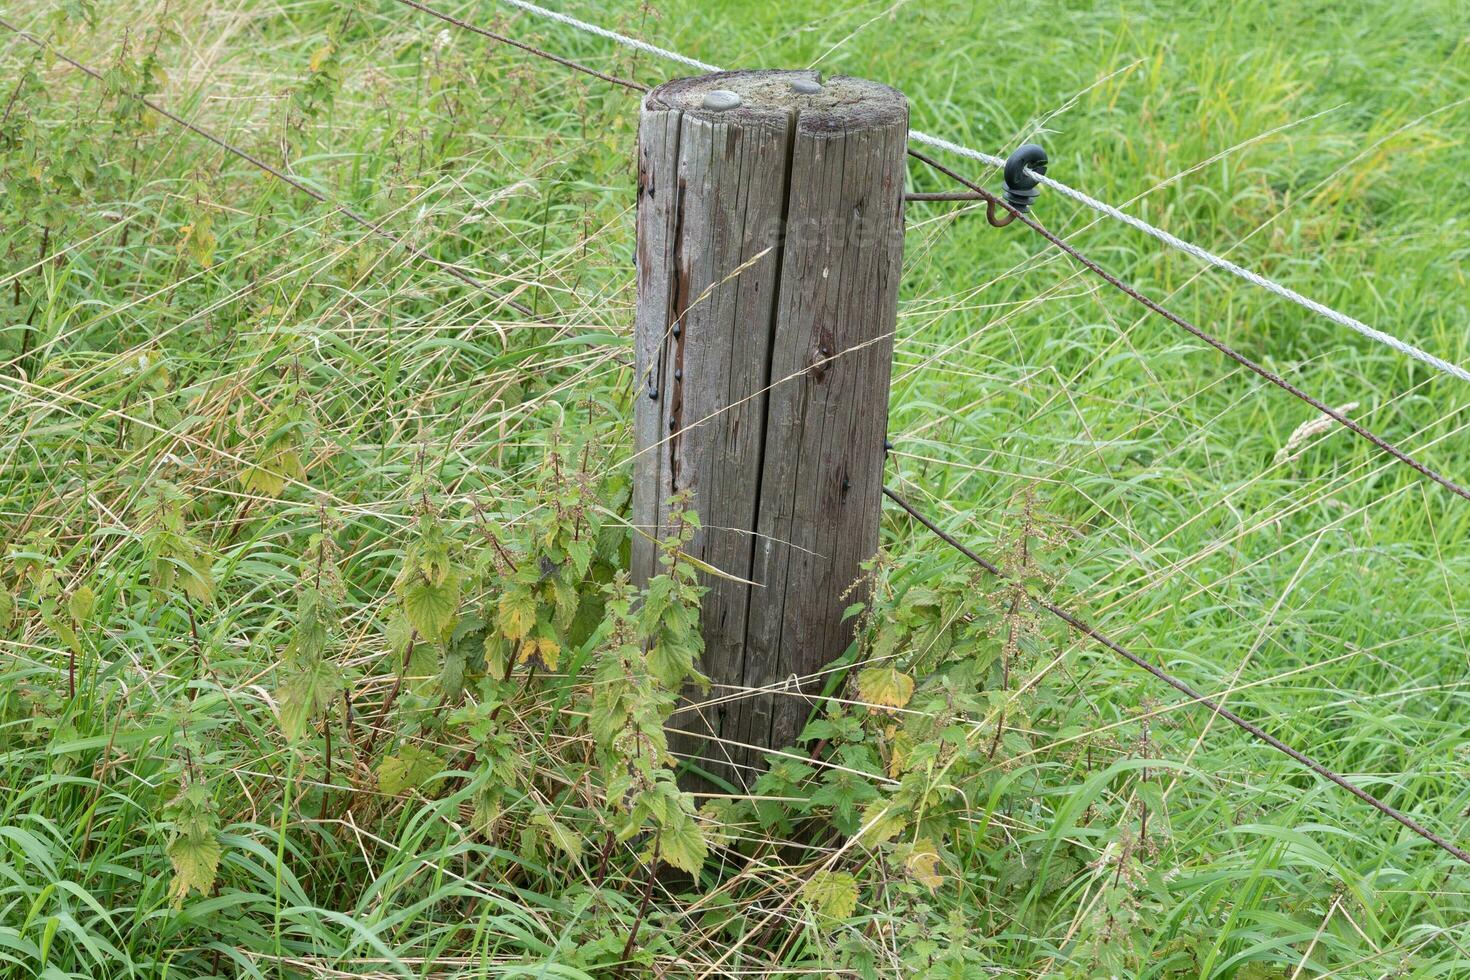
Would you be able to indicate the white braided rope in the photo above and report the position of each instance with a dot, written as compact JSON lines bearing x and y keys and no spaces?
{"x":986,"y":158}
{"x":623,"y":39}
{"x":1209,"y":258}
{"x":1189,"y":248}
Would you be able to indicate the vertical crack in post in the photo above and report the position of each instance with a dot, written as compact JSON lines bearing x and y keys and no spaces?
{"x":779,"y":257}
{"x":678,"y":306}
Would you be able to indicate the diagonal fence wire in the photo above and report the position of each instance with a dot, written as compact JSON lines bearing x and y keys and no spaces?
{"x":285,"y":178}
{"x":1102,"y":207}
{"x":524,"y":46}
{"x":1230,"y":352}
{"x":1072,"y":621}
{"x":1184,"y":688}
{"x":994,"y":202}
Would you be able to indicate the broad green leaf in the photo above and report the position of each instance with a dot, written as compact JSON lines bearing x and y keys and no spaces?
{"x":831,"y":894}
{"x":67,"y":635}
{"x":196,"y":861}
{"x":672,"y":659}
{"x":430,"y":608}
{"x":881,"y":821}
{"x":885,"y":687}
{"x":921,"y":863}
{"x":844,"y":792}
{"x":562,"y":837}
{"x":409,"y":769}
{"x":517,"y":613}
{"x":451,"y":677}
{"x":199,"y":583}
{"x":580,"y":553}
{"x":81,"y":604}
{"x":305,"y":692}
{"x":682,"y":844}
{"x":399,"y":633}
{"x":544,"y":648}
{"x":262,"y":480}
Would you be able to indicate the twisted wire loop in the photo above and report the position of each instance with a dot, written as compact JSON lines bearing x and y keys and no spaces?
{"x":285,"y":178}
{"x":1208,"y":338}
{"x":1254,"y":730}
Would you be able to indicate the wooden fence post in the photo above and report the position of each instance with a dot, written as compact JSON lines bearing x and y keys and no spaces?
{"x":770,"y":246}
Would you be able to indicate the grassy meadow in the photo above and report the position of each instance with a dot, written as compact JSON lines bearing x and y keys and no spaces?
{"x":316,"y":658}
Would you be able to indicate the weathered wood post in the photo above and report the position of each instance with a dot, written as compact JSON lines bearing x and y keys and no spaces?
{"x":770,"y":245}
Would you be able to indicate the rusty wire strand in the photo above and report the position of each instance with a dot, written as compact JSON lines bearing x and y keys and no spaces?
{"x":1184,"y":688}
{"x":284,"y":178}
{"x":525,"y":46}
{"x":991,"y":216}
{"x":1208,"y":338}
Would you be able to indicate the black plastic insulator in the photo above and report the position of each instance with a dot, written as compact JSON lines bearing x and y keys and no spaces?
{"x":1021,"y":187}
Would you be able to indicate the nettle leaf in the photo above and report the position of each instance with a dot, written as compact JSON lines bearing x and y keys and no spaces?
{"x":718,"y":817}
{"x":198,"y":578}
{"x":312,"y":612}
{"x":881,"y":821}
{"x":193,"y":848}
{"x":561,"y":837}
{"x":258,"y":479}
{"x":671,"y":660}
{"x":1058,"y":874}
{"x":921,"y":863}
{"x":430,"y":607}
{"x":817,"y":729}
{"x":885,"y":687}
{"x":451,"y":676}
{"x":409,"y":769}
{"x":844,"y":792}
{"x":422,"y":670}
{"x":681,"y":842}
{"x":517,"y":613}
{"x":468,"y":642}
{"x":65,"y":633}
{"x":656,"y":600}
{"x":543,"y":647}
{"x":196,"y":862}
{"x":566,"y":599}
{"x":81,"y":604}
{"x":430,"y":554}
{"x":831,"y":894}
{"x":497,"y":654}
{"x":399,"y":633}
{"x":580,"y":554}
{"x":305,"y":692}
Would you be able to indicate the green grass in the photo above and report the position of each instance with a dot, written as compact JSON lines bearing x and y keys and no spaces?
{"x":1324,"y":587}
